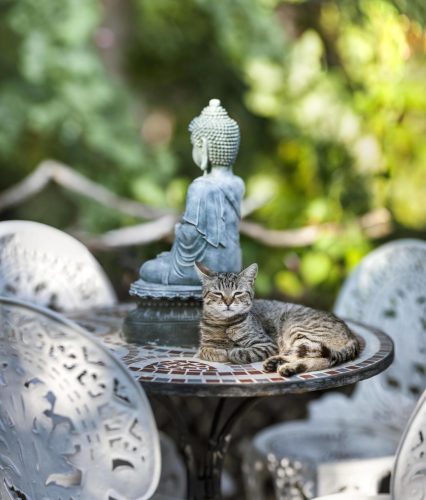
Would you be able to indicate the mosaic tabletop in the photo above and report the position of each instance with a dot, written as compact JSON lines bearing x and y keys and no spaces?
{"x":176,"y":370}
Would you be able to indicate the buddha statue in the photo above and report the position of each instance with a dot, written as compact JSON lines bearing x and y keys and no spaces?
{"x":209,"y":229}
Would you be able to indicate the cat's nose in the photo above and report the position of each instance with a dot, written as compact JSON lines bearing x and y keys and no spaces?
{"x":228,"y":300}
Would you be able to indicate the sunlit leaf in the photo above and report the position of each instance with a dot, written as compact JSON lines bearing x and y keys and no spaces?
{"x":315,"y":267}
{"x":289,"y":283}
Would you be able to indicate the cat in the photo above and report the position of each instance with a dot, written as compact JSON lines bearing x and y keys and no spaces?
{"x":288,"y":338}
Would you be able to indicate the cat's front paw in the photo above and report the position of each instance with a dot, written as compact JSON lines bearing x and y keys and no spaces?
{"x":289,"y":369}
{"x":212,"y":354}
{"x":271,"y":364}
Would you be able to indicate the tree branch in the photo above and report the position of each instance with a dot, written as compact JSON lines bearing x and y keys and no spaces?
{"x":375,"y":224}
{"x":253,"y":203}
{"x":287,"y":238}
{"x":53,"y":171}
{"x":140,"y":234}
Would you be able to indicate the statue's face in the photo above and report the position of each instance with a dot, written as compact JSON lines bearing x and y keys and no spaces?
{"x":199,"y":155}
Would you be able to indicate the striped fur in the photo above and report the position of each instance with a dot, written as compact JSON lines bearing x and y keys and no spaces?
{"x":289,"y":338}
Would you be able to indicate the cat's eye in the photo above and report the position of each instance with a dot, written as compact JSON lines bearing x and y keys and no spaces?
{"x":238,"y":294}
{"x":217,"y":294}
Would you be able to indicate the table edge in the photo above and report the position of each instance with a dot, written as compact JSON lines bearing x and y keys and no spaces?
{"x":276,"y":388}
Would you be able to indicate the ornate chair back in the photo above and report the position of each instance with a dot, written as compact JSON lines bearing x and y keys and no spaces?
{"x":73,"y":422}
{"x":409,"y":473}
{"x":387,"y":290}
{"x":45,"y":266}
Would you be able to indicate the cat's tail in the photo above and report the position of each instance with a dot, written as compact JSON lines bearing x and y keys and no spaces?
{"x":349,"y":352}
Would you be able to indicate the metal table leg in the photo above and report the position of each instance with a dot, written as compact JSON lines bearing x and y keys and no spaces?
{"x":218,"y":443}
{"x":205,"y":471}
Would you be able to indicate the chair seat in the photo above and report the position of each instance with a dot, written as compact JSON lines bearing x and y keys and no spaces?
{"x":326,"y":440}
{"x":346,"y":476}
{"x":353,"y":496}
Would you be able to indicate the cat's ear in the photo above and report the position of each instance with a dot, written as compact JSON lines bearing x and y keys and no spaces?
{"x":249,"y":274}
{"x":203,"y":272}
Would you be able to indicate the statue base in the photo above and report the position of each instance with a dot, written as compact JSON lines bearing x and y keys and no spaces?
{"x":145,"y":290}
{"x":165,"y":322}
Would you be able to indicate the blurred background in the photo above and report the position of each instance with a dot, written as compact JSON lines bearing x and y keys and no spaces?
{"x":330,"y":97}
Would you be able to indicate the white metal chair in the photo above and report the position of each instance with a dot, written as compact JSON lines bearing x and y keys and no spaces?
{"x":409,"y":470}
{"x":73,"y":422}
{"x":50,"y":268}
{"x":349,"y":496}
{"x":387,"y":290}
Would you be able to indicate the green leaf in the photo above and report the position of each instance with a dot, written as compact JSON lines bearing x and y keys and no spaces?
{"x":315,"y":267}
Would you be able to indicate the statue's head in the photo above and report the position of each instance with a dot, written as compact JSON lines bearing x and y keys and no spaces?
{"x":215,"y":137}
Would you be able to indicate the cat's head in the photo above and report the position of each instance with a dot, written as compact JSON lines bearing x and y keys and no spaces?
{"x":227,"y":294}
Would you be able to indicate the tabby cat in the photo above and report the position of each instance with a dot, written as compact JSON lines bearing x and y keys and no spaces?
{"x":289,"y":338}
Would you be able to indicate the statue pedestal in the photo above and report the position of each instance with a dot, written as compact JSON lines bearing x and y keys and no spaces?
{"x":146,"y":290}
{"x":165,"y":313}
{"x":168,"y":322}
{"x":208,"y":232}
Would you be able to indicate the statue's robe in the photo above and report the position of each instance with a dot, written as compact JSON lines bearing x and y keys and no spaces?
{"x":209,"y":231}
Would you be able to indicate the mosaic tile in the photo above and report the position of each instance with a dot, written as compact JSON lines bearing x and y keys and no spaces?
{"x":153,"y":364}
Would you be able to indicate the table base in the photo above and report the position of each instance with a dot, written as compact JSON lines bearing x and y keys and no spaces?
{"x":204,"y":472}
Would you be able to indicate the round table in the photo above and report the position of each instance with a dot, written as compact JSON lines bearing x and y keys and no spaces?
{"x":176,"y":371}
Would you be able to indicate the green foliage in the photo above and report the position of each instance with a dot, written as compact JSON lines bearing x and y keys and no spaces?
{"x":329,"y":96}
{"x":56,"y":98}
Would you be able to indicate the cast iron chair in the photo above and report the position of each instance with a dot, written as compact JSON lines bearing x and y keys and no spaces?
{"x":73,"y":422}
{"x":48,"y":267}
{"x":387,"y":290}
{"x":409,"y":470}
